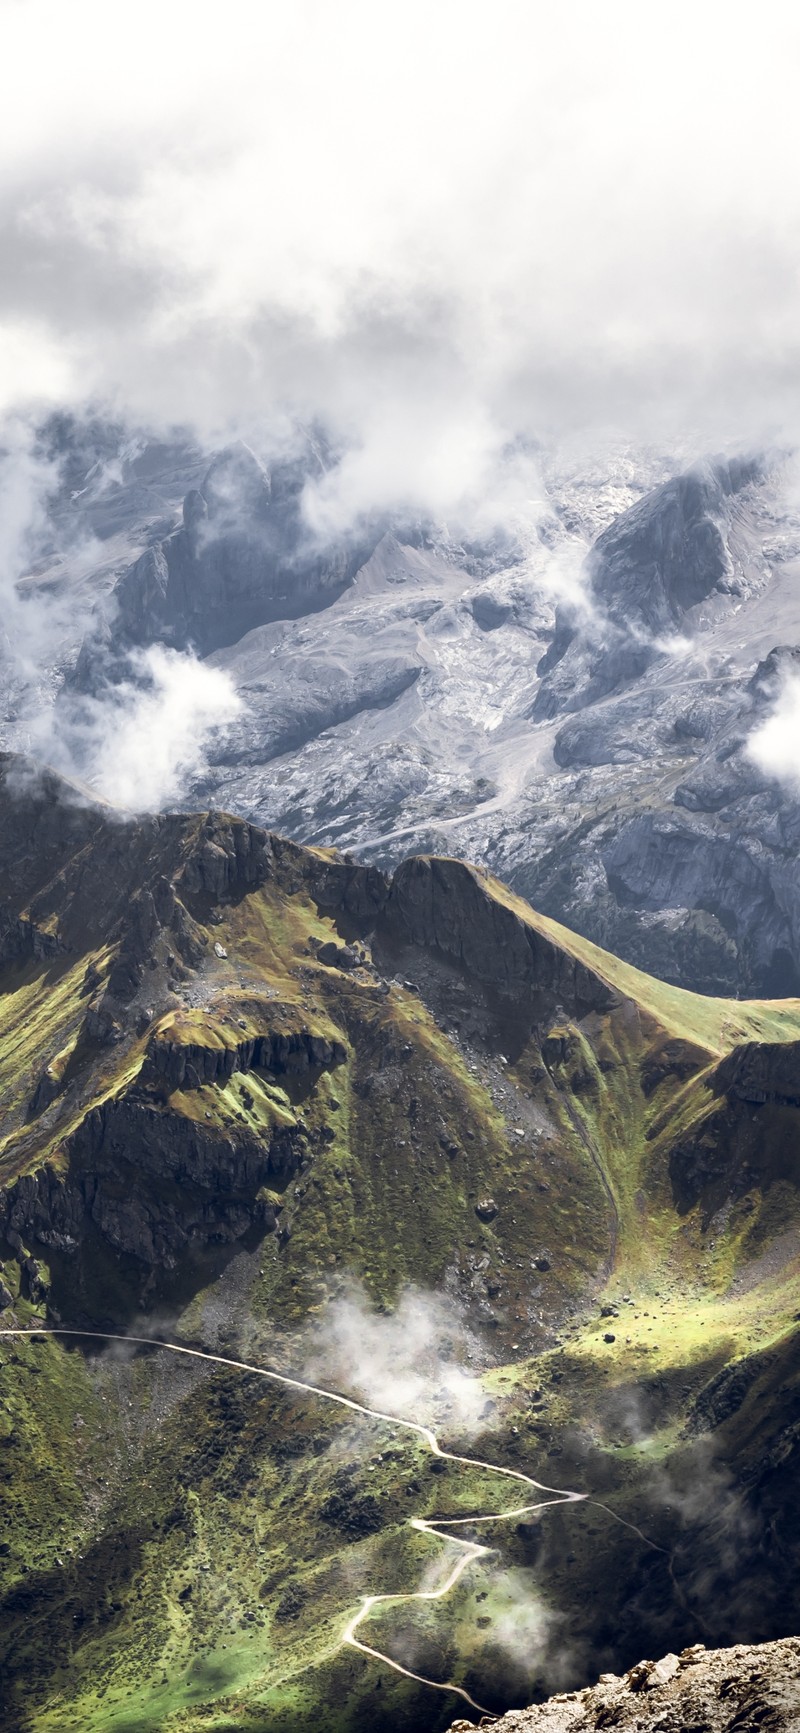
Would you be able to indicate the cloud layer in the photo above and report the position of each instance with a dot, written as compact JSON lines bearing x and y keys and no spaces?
{"x":432,"y":228}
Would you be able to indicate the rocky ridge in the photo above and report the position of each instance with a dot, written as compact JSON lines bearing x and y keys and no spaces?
{"x":406,"y":690}
{"x":737,"y":1690}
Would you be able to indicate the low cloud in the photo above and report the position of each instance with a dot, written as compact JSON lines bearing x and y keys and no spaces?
{"x":142,"y":742}
{"x":431,"y":230}
{"x":138,"y":743}
{"x":408,"y":1362}
{"x":775,"y":745}
{"x":529,"y":1634}
{"x":29,"y":622}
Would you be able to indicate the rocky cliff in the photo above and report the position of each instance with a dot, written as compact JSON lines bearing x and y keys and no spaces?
{"x":240,"y":557}
{"x":409,"y":692}
{"x":720,"y":1690}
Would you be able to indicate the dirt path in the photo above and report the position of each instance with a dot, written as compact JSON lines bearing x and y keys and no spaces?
{"x":469,"y":1550}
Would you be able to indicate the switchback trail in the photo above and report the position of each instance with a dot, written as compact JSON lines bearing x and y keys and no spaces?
{"x":469,"y":1549}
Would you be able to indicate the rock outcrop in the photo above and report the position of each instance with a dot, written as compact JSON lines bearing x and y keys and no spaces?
{"x":645,"y":573}
{"x":740,"y":1690}
{"x":241,"y":556}
{"x":761,"y":1072}
{"x":152,"y":1187}
{"x":453,"y":909}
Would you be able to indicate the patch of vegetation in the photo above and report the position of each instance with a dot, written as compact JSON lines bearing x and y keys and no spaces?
{"x":183,"y":1546}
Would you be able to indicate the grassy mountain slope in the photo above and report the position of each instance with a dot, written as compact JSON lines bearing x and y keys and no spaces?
{"x":235,"y":1074}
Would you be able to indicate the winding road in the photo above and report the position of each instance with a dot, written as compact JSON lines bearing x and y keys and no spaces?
{"x":469,"y":1550}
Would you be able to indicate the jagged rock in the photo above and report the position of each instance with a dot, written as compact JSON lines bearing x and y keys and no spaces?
{"x":6,"y":1297}
{"x":36,"y":1282}
{"x":188,"y":1185}
{"x":445,"y":905}
{"x":652,"y":565}
{"x":761,"y":1072}
{"x":45,"y":1092}
{"x":100,"y":1023}
{"x":276,"y":1051}
{"x":489,"y":611}
{"x":240,"y":557}
{"x":716,"y":1690}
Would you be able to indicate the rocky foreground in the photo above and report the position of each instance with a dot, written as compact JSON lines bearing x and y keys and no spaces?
{"x":737,"y":1689}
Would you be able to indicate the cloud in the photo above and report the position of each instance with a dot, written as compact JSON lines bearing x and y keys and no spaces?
{"x":431,"y":229}
{"x":143,"y":740}
{"x":28,"y":621}
{"x":775,"y":745}
{"x":530,"y":1634}
{"x":406,"y":1362}
{"x":138,"y":743}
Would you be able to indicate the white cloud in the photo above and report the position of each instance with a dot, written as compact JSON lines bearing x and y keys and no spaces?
{"x":142,"y":742}
{"x":434,"y":227}
{"x":775,"y":745}
{"x":29,"y":622}
{"x":406,"y":1362}
{"x":138,"y":743}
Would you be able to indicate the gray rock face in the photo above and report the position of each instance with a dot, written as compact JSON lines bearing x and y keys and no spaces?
{"x":622,"y":799}
{"x":668,"y":553}
{"x":646,"y":573}
{"x":439,"y":697}
{"x":240,"y":557}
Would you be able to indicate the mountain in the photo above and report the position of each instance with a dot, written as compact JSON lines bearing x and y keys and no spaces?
{"x":568,"y":699}
{"x":240,"y":1074}
{"x":236,"y":561}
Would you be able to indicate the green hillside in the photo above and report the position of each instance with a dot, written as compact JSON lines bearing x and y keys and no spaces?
{"x":239,"y":1077}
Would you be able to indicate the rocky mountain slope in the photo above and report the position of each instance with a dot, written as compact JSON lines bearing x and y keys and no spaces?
{"x":567,"y":699}
{"x":718,"y":1690}
{"x":239,"y":1074}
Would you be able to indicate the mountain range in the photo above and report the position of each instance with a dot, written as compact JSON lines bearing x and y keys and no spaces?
{"x":569,"y":699}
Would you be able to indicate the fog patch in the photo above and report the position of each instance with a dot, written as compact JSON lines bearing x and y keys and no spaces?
{"x":143,"y":740}
{"x":408,"y":1362}
{"x":775,"y":745}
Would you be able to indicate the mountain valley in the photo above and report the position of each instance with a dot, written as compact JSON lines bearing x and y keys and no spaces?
{"x":325,"y":1122}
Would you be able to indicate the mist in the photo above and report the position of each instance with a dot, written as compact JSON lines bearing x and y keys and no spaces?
{"x":141,"y":743}
{"x":408,"y":1362}
{"x":775,"y":745}
{"x":429,"y":231}
{"x":138,"y":742}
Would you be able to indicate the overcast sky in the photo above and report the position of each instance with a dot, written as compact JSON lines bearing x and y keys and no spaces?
{"x":434,"y":225}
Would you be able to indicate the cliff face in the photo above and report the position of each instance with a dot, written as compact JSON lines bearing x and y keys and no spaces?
{"x":646,"y":572}
{"x":447,"y":907}
{"x":240,"y":557}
